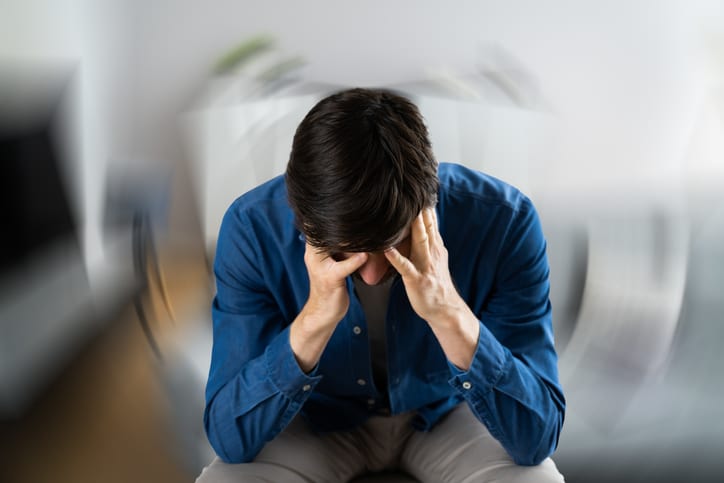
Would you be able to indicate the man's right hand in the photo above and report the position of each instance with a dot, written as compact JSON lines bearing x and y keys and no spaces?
{"x":327,"y":304}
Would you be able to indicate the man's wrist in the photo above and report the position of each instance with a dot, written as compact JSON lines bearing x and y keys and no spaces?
{"x":451,"y":315}
{"x":457,"y":330}
{"x":315,"y":317}
{"x":308,"y":337}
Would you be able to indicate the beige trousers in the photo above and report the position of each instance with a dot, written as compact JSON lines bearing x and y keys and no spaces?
{"x":457,"y":450}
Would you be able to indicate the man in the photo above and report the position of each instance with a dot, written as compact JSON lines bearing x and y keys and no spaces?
{"x":377,"y":310}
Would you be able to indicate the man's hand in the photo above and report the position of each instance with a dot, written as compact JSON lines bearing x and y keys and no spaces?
{"x":328,"y":298}
{"x":432,"y":294}
{"x":426,"y":274}
{"x":326,"y":305}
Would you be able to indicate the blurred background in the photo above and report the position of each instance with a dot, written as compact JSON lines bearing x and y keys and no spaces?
{"x":127,"y":128}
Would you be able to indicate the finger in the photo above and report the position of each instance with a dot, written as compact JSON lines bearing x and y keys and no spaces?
{"x":420,"y":247}
{"x":429,"y":219}
{"x":316,"y":252}
{"x":418,"y":232}
{"x":312,"y":254}
{"x":434,"y":231}
{"x":400,"y":263}
{"x":317,"y":258}
{"x":350,"y":265}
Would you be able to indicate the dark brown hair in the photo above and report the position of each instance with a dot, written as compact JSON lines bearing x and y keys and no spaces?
{"x":360,"y":170}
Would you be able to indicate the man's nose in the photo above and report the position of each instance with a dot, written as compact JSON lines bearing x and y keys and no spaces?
{"x":374,"y":269}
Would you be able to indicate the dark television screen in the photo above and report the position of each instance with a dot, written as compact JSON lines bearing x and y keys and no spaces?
{"x":35,"y":211}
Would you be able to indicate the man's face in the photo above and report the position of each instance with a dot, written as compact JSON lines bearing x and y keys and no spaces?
{"x":377,"y":269}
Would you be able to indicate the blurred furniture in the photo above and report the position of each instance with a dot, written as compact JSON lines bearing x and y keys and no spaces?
{"x":48,"y":307}
{"x":137,"y":202}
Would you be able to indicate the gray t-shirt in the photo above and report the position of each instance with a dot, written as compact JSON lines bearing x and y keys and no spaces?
{"x":374,"y":300}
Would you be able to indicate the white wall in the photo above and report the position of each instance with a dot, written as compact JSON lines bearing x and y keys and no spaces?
{"x":625,"y":79}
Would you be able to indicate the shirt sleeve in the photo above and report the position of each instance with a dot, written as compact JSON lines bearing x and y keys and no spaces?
{"x":512,"y":384}
{"x":255,"y":385}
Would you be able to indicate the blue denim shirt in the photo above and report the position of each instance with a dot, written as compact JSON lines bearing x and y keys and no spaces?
{"x":497,"y":259}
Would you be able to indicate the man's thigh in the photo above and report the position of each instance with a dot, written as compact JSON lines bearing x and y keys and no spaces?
{"x":297,"y":455}
{"x":460,"y":449}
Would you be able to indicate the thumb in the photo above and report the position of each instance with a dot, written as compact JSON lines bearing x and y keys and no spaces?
{"x":349,"y":265}
{"x":403,"y":265}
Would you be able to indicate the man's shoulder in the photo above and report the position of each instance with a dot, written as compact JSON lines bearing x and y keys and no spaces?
{"x":273,"y":191}
{"x":461,"y":184}
{"x":264,"y":207}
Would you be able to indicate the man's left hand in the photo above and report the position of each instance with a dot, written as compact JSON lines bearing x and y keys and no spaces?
{"x":432,"y":294}
{"x":425,"y":273}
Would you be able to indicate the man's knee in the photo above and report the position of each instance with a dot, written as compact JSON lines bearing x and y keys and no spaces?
{"x":461,"y":448}
{"x":296,"y":455}
{"x":546,"y":472}
{"x":220,"y":472}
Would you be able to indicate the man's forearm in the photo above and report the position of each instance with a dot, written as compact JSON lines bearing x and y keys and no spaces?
{"x":457,"y":331}
{"x":308,"y":336}
{"x":327,"y":304}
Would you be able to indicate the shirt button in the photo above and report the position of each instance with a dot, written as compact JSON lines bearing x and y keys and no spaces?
{"x":467,"y":385}
{"x":356,"y":329}
{"x":306,"y":387}
{"x":361,"y":382}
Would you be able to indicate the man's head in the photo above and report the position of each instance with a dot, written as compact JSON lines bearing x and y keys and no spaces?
{"x":360,"y":170}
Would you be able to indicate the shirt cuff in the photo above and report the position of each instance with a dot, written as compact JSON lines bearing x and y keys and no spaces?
{"x":489,"y":361}
{"x":284,"y":370}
